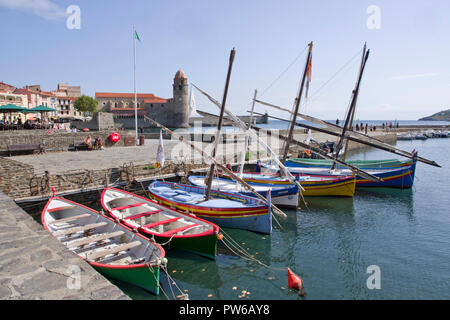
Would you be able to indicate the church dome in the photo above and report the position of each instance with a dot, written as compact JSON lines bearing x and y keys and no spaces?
{"x":180,"y":75}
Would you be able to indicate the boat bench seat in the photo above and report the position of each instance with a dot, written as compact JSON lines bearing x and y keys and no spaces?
{"x":129,"y":206}
{"x":103,"y":253}
{"x":61,"y":208}
{"x":85,"y":215}
{"x":154,"y":224}
{"x":87,"y":240}
{"x":174,"y":231}
{"x":78,"y":229}
{"x":143,"y":214}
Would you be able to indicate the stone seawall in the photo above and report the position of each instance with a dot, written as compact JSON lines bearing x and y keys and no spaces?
{"x":56,"y":140}
{"x":36,"y":266}
{"x":18,"y":180}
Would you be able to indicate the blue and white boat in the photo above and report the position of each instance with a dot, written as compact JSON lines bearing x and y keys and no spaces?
{"x":285,"y":196}
{"x":229,"y":210}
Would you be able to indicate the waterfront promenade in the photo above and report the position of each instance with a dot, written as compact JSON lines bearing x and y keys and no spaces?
{"x":61,"y":162}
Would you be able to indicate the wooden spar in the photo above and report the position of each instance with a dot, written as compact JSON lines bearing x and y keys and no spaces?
{"x":351,"y":135}
{"x":297,"y":104}
{"x":240,"y":124}
{"x":362,"y":173}
{"x":218,"y":164}
{"x":219,"y":125}
{"x":350,"y":125}
{"x":352,"y":106}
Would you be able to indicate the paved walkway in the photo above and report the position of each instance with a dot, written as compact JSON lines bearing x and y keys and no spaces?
{"x":34,"y":265}
{"x":61,"y":162}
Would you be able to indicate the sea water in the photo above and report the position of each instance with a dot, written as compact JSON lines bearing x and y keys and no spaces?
{"x":333,"y":244}
{"x":380,"y":244}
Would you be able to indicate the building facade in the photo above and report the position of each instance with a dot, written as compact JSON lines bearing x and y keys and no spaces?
{"x":172,"y":112}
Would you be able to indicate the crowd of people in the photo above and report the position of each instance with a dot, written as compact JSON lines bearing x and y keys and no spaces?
{"x":361,"y":127}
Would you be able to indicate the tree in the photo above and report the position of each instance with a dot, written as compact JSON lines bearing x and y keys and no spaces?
{"x":86,"y":104}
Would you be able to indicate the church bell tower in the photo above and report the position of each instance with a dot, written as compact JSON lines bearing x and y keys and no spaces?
{"x":180,"y":100}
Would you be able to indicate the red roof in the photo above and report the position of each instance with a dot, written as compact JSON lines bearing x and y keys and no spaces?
{"x":148,"y":97}
{"x":47,"y":93}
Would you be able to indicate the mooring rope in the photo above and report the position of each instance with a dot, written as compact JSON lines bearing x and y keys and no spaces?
{"x":244,"y":254}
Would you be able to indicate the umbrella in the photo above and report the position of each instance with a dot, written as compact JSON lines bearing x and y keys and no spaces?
{"x":10,"y":108}
{"x":41,"y":109}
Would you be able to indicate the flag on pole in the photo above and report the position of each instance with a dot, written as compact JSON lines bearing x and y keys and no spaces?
{"x":308,"y":76}
{"x":160,"y":153}
{"x":192,"y":108}
{"x":136,"y":36}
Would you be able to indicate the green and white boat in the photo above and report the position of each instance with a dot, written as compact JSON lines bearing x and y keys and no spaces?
{"x":366,"y":164}
{"x":110,"y":247}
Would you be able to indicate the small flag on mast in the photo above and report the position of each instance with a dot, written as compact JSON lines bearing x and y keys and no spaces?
{"x":136,"y":36}
{"x":308,"y":76}
{"x":160,"y":153}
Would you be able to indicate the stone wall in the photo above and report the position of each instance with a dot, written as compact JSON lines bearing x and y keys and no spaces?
{"x":18,"y":180}
{"x":100,"y":121}
{"x":56,"y":140}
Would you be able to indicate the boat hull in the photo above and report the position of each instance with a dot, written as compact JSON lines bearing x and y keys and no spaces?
{"x":257,"y":218}
{"x":340,"y":186}
{"x":144,"y":277}
{"x":367,"y":164}
{"x":283,"y":195}
{"x":400,"y":177}
{"x":205,"y":246}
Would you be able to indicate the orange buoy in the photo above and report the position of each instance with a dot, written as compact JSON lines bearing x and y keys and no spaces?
{"x":219,"y":236}
{"x":295,"y":282}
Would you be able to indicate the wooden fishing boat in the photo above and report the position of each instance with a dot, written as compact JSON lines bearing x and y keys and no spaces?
{"x":316,"y":185}
{"x":111,"y":248}
{"x":166,"y":225}
{"x":225,"y":209}
{"x":367,"y":164}
{"x":283,"y":195}
{"x":402,"y":177}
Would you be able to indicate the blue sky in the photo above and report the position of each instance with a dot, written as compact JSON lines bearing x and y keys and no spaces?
{"x":407,"y":74}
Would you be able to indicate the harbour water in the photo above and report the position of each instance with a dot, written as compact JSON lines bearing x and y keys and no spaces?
{"x":282,"y":125}
{"x":331,"y":242}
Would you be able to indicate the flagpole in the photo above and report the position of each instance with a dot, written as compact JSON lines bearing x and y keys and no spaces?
{"x":135,"y":96}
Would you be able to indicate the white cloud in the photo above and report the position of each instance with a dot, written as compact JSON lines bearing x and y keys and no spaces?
{"x":43,"y":8}
{"x":413,"y":76}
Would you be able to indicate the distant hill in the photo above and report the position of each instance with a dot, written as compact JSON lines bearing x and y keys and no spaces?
{"x":440,"y":116}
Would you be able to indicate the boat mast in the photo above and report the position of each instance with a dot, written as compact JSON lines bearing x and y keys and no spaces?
{"x":297,"y":104}
{"x":352,"y":106}
{"x":219,"y":125}
{"x":353,"y":111}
